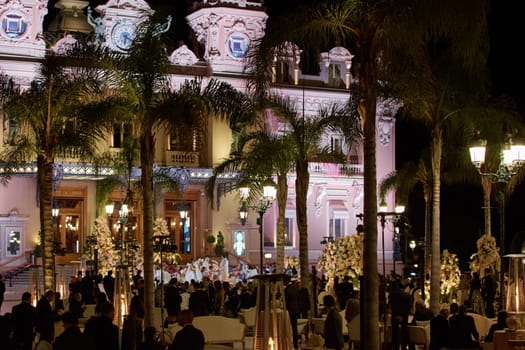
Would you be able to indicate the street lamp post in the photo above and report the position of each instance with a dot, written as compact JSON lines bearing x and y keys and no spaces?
{"x":511,"y":158}
{"x":122,"y":293}
{"x":265,"y":202}
{"x":383,"y":214}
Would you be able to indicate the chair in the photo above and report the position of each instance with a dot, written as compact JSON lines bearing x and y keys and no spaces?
{"x":249,"y":316}
{"x":516,"y":344}
{"x":419,"y":335}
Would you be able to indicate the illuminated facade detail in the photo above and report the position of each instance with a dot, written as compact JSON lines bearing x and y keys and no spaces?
{"x":183,"y":57}
{"x":21,"y":27}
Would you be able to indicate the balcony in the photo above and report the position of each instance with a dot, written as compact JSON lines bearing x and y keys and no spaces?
{"x":335,"y":169}
{"x":182,"y":159}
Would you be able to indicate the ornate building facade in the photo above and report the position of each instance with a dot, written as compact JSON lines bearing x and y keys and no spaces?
{"x":226,"y":29}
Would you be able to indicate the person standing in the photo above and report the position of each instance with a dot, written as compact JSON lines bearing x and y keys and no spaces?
{"x":23,"y":319}
{"x":292,"y":298}
{"x":132,"y":329}
{"x":462,"y":330}
{"x":72,"y":337}
{"x":172,"y":298}
{"x":109,"y":284}
{"x":488,"y":292}
{"x":189,"y":337}
{"x":352,"y":310}
{"x":400,"y":304}
{"x":333,"y":325}
{"x":439,"y":330}
{"x":101,"y":329}
{"x":45,"y":323}
{"x":476,"y":299}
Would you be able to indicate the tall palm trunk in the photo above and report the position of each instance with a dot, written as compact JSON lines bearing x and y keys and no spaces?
{"x":370,"y":291}
{"x":146,"y":163}
{"x":428,"y":234}
{"x":367,"y":94}
{"x":45,"y":180}
{"x":301,"y":187}
{"x":282,"y":195}
{"x":435,"y":278}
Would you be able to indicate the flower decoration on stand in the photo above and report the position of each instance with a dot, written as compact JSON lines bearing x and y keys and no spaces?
{"x":450,"y":275}
{"x":160,"y":228}
{"x":343,"y":257}
{"x":486,"y":256}
{"x":106,"y":246}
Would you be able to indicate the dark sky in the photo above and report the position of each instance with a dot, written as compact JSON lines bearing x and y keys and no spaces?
{"x":461,"y":206}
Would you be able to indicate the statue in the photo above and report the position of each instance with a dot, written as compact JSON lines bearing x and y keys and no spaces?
{"x":161,"y":28}
{"x":98,"y":26}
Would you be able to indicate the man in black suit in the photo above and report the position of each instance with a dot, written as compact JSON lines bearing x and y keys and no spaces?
{"x":101,"y":330}
{"x":400,"y":304}
{"x":72,"y":337}
{"x":461,"y":330}
{"x":439,"y":330}
{"x":189,"y":337}
{"x":109,"y":284}
{"x":23,"y":318}
{"x":198,"y":302}
{"x":45,"y":322}
{"x":292,"y":298}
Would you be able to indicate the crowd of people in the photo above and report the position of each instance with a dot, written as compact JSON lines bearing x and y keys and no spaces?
{"x":28,"y":327}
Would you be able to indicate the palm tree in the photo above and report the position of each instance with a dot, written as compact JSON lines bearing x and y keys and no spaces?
{"x":53,"y":118}
{"x":261,"y":154}
{"x":140,"y":77}
{"x":388,"y":39}
{"x":305,"y":134}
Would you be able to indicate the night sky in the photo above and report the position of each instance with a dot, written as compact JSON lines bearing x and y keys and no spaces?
{"x":461,"y":206}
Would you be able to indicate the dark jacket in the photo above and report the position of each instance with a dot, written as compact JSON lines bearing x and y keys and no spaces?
{"x":333,"y":330}
{"x":103,"y":333}
{"x":438,"y":332}
{"x":45,"y":322}
{"x":188,"y":338}
{"x":73,"y":338}
{"x":23,"y":319}
{"x":461,"y":330}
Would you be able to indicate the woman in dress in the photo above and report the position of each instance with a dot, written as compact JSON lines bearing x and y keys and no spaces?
{"x":476,"y":300}
{"x":190,"y":272}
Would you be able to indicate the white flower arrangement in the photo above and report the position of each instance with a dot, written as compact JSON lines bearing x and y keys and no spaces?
{"x":487,"y":255}
{"x":343,"y":257}
{"x":292,"y":261}
{"x":106,"y":246}
{"x":450,"y":276}
{"x":160,"y":228}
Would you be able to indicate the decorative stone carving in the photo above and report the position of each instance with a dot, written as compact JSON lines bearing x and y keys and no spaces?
{"x":386,"y":111}
{"x":21,"y":27}
{"x":227,"y":34}
{"x":183,"y":56}
{"x":64,"y":45}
